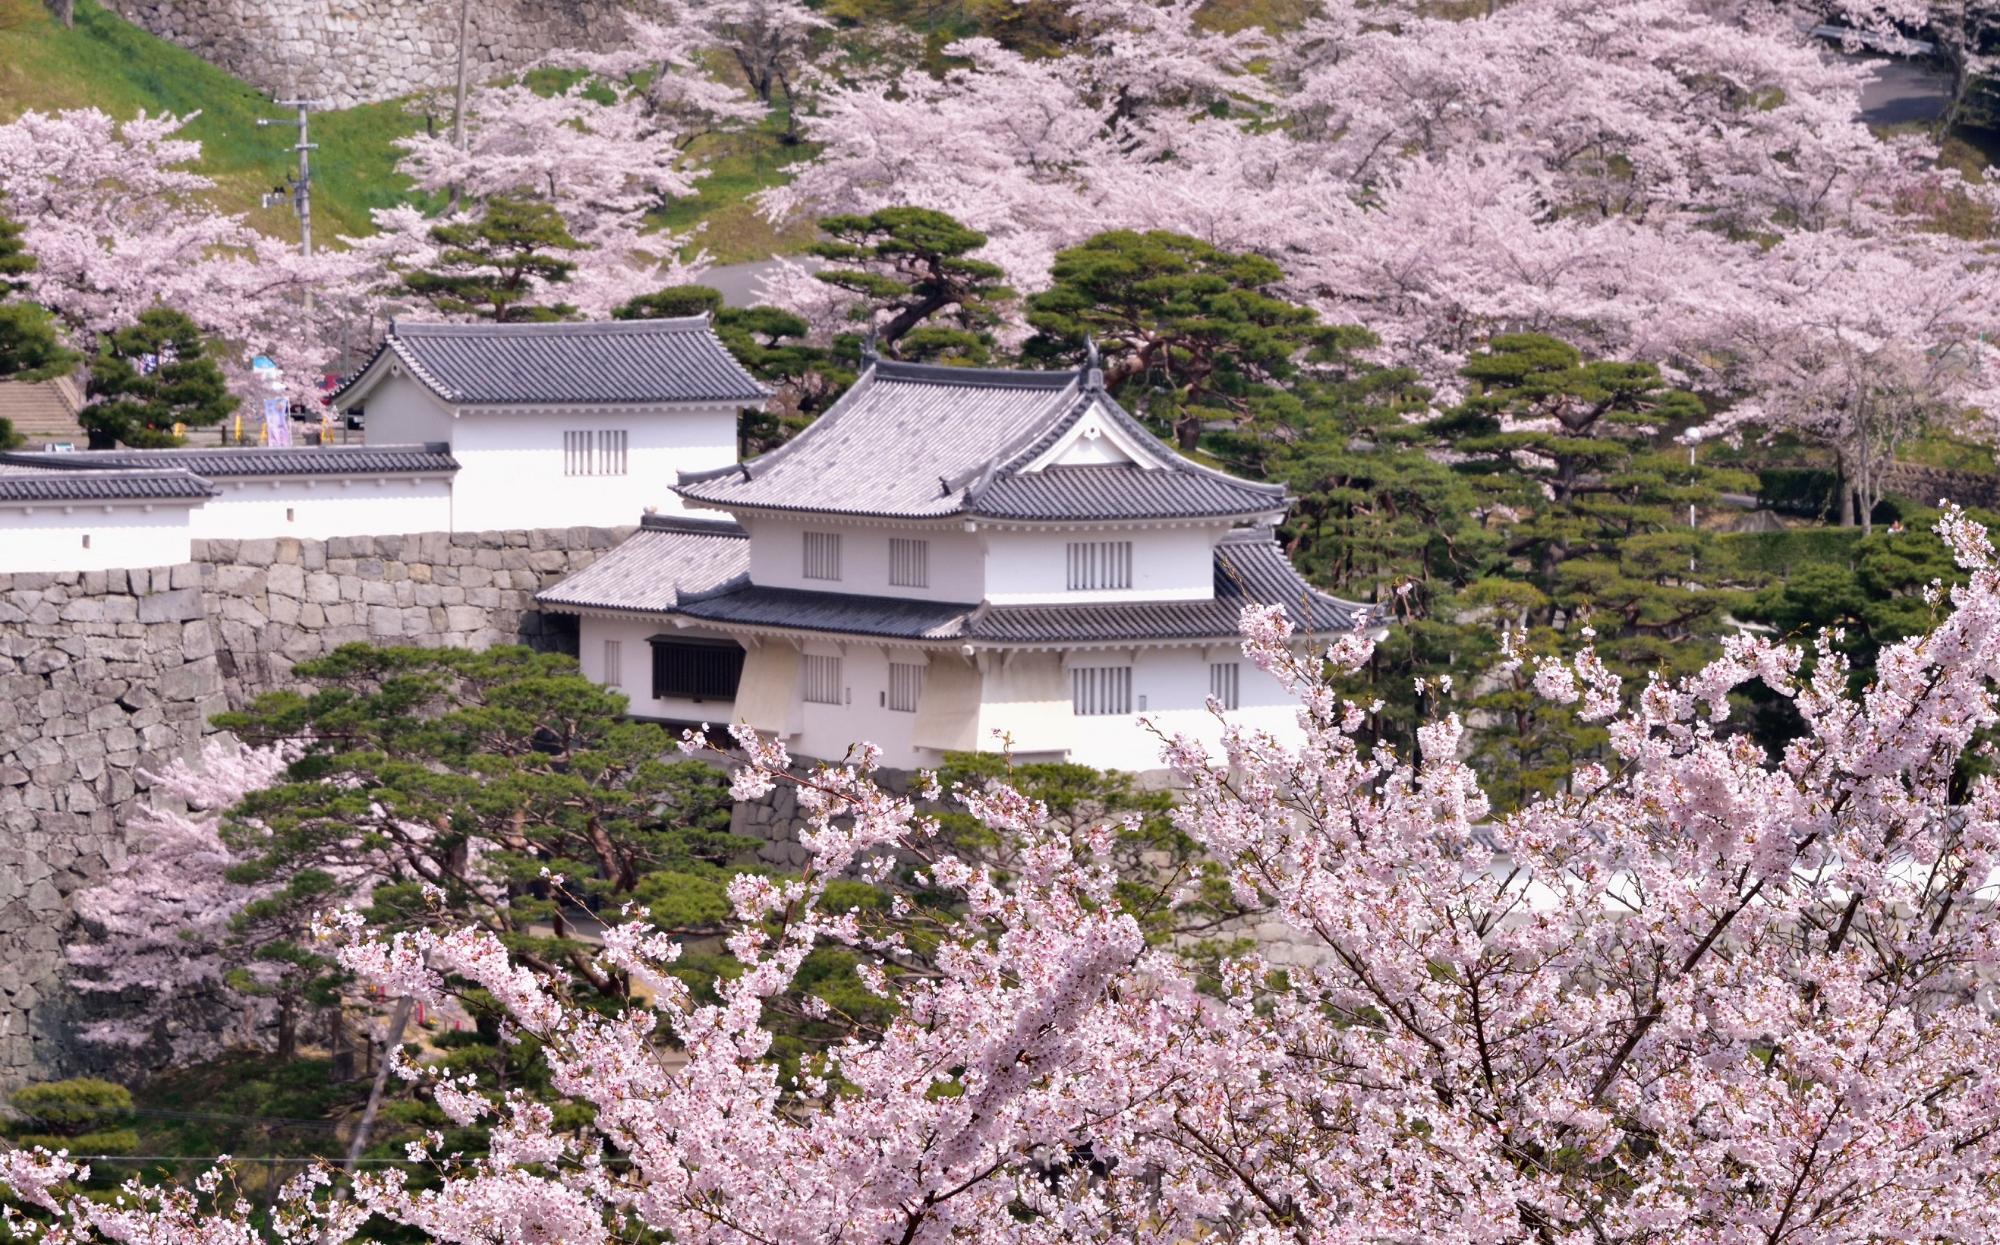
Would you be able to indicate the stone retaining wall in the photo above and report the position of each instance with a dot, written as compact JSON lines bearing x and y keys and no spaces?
{"x":1928,"y":485}
{"x":357,"y":51}
{"x":105,"y":674}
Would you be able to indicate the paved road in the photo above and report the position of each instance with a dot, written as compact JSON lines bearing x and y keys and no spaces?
{"x":1903,"y":91}
{"x":738,"y":282}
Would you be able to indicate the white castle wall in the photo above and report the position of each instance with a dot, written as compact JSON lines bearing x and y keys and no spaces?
{"x":318,"y":507}
{"x":93,"y":536}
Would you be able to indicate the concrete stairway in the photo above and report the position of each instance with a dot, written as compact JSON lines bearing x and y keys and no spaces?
{"x":44,"y":412}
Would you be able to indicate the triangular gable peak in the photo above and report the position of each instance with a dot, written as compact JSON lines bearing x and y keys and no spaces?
{"x":1097,"y":438}
{"x":924,"y":442}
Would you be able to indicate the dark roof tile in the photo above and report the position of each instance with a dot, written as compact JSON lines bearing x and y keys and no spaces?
{"x":1124,"y":491}
{"x":596,"y":363}
{"x":677,"y":567}
{"x":21,"y":483}
{"x":303,"y":460}
{"x":650,"y":569}
{"x":921,"y":441}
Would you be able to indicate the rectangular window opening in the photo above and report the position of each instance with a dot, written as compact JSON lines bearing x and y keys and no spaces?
{"x":688,"y":669}
{"x":906,"y":686}
{"x":1224,"y":680}
{"x":614,"y":663}
{"x":1099,"y":565}
{"x":909,"y":563}
{"x":822,"y":560}
{"x":595,"y":453}
{"x":1099,"y":691}
{"x":823,"y":682}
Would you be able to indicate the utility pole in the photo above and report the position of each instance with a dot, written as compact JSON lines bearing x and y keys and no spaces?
{"x":301,"y":188}
{"x":301,"y":196}
{"x":458,"y":98}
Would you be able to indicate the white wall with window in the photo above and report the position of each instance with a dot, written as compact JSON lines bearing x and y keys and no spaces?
{"x":863,"y":691}
{"x":561,"y":466}
{"x":1100,"y":564}
{"x":830,"y":696}
{"x":873,"y":560}
{"x":1170,"y":688}
{"x":686,"y":683}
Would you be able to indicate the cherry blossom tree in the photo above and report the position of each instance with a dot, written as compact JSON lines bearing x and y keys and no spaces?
{"x":664,"y":54}
{"x":767,"y":39}
{"x":1860,"y":350}
{"x":1698,"y":994}
{"x":600,"y":164}
{"x":119,"y":222}
{"x":161,"y":928}
{"x":1613,"y":174}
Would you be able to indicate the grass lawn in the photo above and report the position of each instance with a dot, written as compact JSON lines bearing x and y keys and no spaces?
{"x":740,"y":165}
{"x":105,"y":62}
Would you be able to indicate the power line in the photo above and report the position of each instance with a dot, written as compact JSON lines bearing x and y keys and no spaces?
{"x":216,"y":1158}
{"x":153,"y":1113}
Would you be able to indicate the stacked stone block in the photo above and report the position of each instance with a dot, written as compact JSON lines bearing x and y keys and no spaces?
{"x":104,"y":675}
{"x":348,"y":52}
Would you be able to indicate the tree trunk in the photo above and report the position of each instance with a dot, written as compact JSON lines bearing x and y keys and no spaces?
{"x":65,"y":12}
{"x":340,"y":1055}
{"x":288,"y":1033}
{"x":1187,"y":432}
{"x":399,"y":1019}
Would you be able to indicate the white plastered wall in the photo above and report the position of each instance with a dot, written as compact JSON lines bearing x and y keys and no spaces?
{"x":401,"y":411}
{"x":316,"y":507}
{"x":511,"y":465}
{"x":1170,"y":689}
{"x":777,"y":559}
{"x":863,"y":715}
{"x":633,"y":674}
{"x":1025,"y":694}
{"x":94,"y":536}
{"x":1168,"y":564}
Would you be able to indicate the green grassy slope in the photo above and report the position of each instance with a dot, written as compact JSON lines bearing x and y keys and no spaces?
{"x":107,"y":63}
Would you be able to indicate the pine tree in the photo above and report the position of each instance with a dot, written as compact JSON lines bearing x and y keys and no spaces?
{"x":461,"y":782}
{"x":1577,"y":454}
{"x":1189,"y":332}
{"x":31,"y":346}
{"x":149,"y":376}
{"x":914,"y":266}
{"x":496,"y":264}
{"x":773,"y":346}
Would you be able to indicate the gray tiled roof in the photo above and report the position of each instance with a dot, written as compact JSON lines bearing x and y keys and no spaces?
{"x":658,"y":570}
{"x":303,"y":460}
{"x":21,"y":483}
{"x":650,"y":570}
{"x":843,"y":613}
{"x":596,"y":363}
{"x":1116,"y":491}
{"x":922,"y":441}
